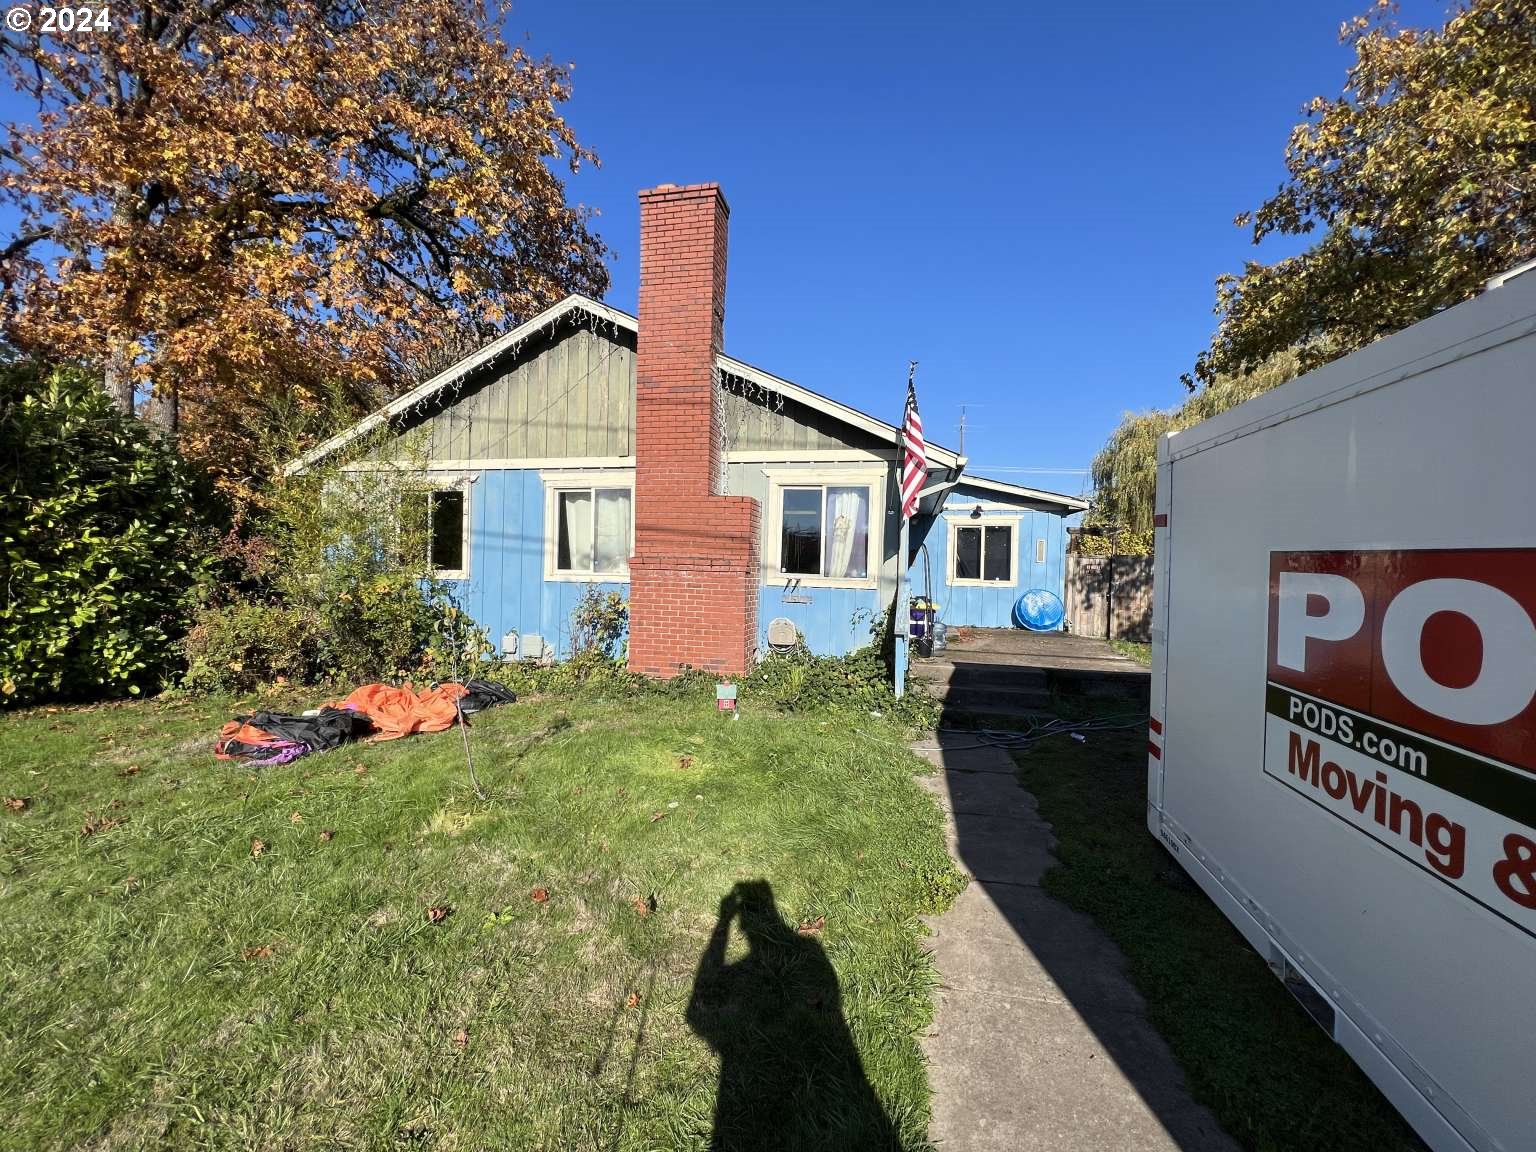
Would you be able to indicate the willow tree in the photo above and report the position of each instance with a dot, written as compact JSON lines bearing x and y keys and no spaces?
{"x":1419,"y":182}
{"x":1124,"y":472}
{"x":223,"y":201}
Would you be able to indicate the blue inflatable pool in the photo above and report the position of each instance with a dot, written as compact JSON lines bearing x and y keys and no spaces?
{"x":1039,"y":610}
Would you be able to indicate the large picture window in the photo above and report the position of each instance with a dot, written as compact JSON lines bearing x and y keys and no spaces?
{"x":981,"y":554}
{"x":439,"y":519}
{"x":824,"y":531}
{"x":592,"y":530}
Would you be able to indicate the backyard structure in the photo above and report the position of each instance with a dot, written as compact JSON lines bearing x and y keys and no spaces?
{"x":717,"y":496}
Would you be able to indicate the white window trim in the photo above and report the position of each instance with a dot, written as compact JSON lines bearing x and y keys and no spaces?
{"x":1009,"y":522}
{"x":871,"y":477}
{"x":555,"y":482}
{"x":464,"y":484}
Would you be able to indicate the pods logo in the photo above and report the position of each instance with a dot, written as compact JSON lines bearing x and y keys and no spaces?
{"x":1440,"y":642}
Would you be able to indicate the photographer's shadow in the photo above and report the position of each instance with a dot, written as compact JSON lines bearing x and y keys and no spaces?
{"x":790,"y":1074}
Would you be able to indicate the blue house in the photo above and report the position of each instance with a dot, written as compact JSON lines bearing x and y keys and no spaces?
{"x":588,"y":447}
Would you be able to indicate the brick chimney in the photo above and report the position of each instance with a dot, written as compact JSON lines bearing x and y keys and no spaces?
{"x":693,"y":589}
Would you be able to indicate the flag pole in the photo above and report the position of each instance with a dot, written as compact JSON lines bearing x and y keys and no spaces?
{"x":903,"y":605}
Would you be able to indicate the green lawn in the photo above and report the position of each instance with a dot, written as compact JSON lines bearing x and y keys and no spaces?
{"x":1141,"y":653}
{"x":1273,"y":1078}
{"x":622,"y":929}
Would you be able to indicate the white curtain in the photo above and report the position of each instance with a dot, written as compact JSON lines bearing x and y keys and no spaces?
{"x":846,"y":549}
{"x":575,"y":532}
{"x":612,"y":552}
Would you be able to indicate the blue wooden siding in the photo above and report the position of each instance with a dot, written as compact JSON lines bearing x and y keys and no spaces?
{"x":835,"y":622}
{"x":506,"y":590}
{"x":991,"y":605}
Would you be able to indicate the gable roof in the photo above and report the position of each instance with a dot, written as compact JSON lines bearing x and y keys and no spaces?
{"x":511,"y":341}
{"x":457,"y":371}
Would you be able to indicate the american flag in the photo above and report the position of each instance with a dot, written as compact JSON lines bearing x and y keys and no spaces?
{"x":914,"y":453}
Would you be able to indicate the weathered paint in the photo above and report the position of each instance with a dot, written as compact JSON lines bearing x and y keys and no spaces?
{"x":831,"y":621}
{"x":758,"y":422}
{"x":506,"y":590}
{"x":566,"y":395}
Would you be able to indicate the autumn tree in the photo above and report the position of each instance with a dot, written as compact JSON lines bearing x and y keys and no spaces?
{"x":226,"y":201}
{"x":1420,"y":181}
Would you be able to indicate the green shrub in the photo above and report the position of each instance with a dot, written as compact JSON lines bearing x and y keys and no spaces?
{"x":797,"y":680}
{"x":241,"y":646}
{"x":106,"y":538}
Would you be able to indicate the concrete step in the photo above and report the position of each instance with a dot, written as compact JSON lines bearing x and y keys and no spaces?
{"x":980,"y":674}
{"x":953,"y":655}
{"x":957,"y":696}
{"x":1006,"y":716}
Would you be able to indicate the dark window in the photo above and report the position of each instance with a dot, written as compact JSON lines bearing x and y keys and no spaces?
{"x":432,"y":522}
{"x":800,"y":545}
{"x":983,"y":552}
{"x":447,"y":527}
{"x":997,"y":556}
{"x":967,"y":553}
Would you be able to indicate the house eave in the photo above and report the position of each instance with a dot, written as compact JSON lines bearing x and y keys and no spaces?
{"x":1002,"y":487}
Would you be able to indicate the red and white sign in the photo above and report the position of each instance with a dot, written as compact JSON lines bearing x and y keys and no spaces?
{"x":1401,"y":699}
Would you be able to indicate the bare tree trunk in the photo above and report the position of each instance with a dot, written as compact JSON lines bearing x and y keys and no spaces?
{"x":163,"y":412}
{"x":118,"y":378}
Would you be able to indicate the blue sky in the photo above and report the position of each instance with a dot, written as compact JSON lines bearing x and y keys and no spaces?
{"x":1031,"y":200}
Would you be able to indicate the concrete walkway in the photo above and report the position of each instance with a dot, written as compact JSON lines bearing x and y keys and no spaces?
{"x":1039,"y":1042}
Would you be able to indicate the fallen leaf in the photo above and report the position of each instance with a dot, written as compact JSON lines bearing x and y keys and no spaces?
{"x":262,"y":953}
{"x":94,"y":824}
{"x":540,"y":895}
{"x":296,"y":817}
{"x":643,"y":907}
{"x":327,"y":834}
{"x":257,"y":848}
{"x":131,"y":770}
{"x":661,"y":815}
{"x":685,"y":762}
{"x":461,"y":1039}
{"x":633,"y":1000}
{"x":438,"y":913}
{"x":812,"y":927}
{"x":17,"y":803}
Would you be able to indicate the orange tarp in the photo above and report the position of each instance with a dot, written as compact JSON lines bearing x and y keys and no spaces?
{"x":397,"y":712}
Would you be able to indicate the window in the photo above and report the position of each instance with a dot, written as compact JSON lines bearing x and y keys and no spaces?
{"x":824,"y":531}
{"x":436,"y":517}
{"x":592,"y":532}
{"x":981,"y":553}
{"x":1040,"y":550}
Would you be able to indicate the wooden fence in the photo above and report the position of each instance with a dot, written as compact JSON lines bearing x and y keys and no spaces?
{"x":1101,"y":586}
